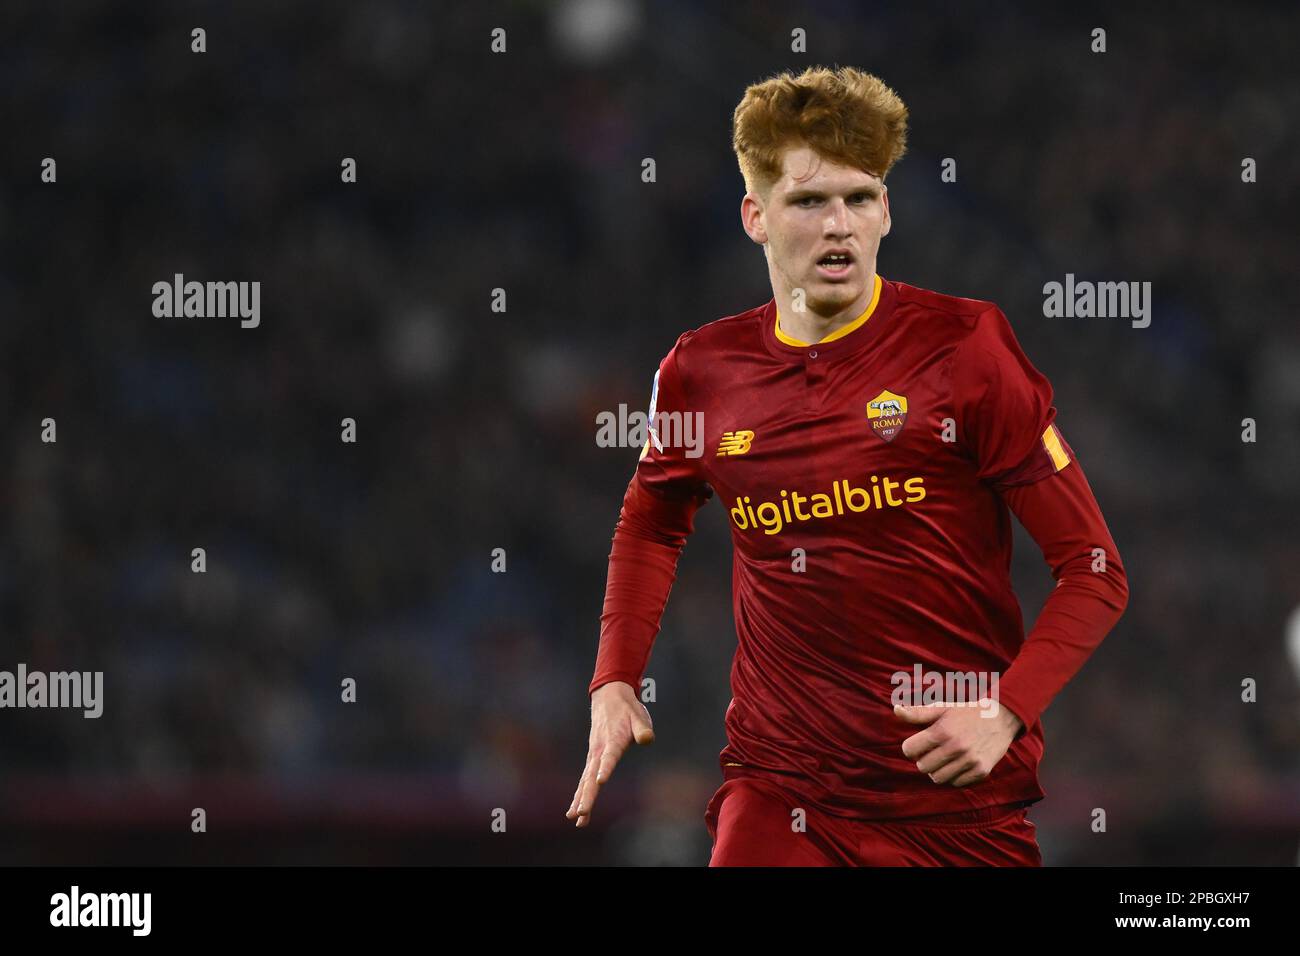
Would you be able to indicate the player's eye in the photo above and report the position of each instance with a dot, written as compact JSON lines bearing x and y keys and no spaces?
{"x":862,"y":197}
{"x":806,"y":200}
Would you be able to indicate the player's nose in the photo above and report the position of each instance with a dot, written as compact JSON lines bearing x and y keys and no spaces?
{"x":838,"y":221}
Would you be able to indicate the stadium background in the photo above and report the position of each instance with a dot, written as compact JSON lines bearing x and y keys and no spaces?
{"x":476,"y":430}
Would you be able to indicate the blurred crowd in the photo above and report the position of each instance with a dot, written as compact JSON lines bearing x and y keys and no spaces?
{"x":520,"y":171}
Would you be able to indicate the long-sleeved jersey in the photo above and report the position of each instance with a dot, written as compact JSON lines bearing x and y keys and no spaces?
{"x":867,"y":480}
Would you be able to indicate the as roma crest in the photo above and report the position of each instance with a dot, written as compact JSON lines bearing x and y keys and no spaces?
{"x":887,"y":413}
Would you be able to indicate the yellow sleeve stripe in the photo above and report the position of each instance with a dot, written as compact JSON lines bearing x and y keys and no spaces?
{"x":1052,"y":442}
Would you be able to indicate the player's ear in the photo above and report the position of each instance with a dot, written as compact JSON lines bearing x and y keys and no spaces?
{"x":884,"y":197}
{"x":751,"y":218}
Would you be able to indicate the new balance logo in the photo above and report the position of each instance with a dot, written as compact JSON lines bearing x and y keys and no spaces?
{"x":735,"y":443}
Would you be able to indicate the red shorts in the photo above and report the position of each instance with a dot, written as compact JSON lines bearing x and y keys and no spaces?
{"x":751,"y":822}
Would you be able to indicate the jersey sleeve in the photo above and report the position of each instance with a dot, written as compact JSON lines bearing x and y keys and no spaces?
{"x":667,"y":488}
{"x":1091,"y":593}
{"x":1005,"y":414}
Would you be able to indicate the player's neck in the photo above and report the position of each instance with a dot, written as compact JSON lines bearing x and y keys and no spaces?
{"x":809,"y":327}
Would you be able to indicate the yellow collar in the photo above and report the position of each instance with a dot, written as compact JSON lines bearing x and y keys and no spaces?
{"x":839,"y":333}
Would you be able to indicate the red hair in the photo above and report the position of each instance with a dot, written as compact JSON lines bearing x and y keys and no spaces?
{"x":845,"y":115}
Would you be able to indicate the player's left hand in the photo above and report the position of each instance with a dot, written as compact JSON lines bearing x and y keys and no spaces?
{"x":960,"y":746}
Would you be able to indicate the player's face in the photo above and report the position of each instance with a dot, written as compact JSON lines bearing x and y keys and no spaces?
{"x":818,"y":207}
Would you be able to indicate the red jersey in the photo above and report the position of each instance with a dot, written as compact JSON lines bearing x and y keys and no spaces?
{"x":865,"y":479}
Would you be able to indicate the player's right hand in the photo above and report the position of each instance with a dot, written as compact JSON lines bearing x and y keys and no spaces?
{"x":617,"y":719}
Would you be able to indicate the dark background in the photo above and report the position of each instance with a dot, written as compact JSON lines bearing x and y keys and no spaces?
{"x":476,"y":430}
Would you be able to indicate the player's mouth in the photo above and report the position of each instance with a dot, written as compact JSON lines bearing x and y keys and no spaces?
{"x":836,"y":264}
